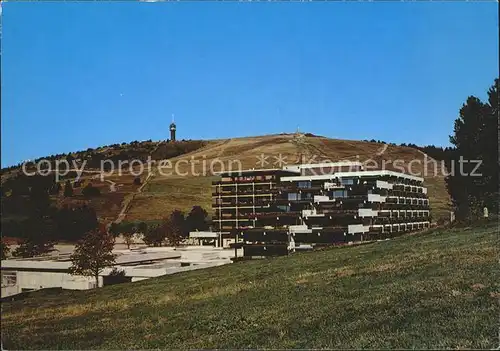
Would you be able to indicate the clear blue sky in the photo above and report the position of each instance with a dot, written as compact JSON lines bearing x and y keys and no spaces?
{"x":78,"y":75}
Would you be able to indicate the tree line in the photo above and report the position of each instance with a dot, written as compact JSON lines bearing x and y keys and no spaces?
{"x":47,"y":226}
{"x":24,"y":185}
{"x":171,"y":230}
{"x":139,"y":150}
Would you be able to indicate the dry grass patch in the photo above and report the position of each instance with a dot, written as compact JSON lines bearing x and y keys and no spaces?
{"x":163,"y":195}
{"x":478,"y":286}
{"x":344,"y":272}
{"x":218,"y":291}
{"x":73,"y":310}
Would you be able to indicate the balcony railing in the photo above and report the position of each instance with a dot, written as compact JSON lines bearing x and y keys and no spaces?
{"x":239,"y":191}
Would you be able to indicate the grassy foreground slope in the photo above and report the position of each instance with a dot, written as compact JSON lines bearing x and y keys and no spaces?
{"x":433,"y":290}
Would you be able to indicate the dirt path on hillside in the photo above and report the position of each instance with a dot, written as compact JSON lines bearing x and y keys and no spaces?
{"x":128,"y":199}
{"x":223,"y":147}
{"x":316,"y":149}
{"x":127,"y":202}
{"x":307,"y":150}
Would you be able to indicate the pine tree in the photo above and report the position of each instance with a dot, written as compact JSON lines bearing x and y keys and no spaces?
{"x":491,"y":170}
{"x":475,"y":138}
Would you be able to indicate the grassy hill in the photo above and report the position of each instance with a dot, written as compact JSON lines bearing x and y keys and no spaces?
{"x":438,"y":289}
{"x":166,"y":193}
{"x":163,"y":193}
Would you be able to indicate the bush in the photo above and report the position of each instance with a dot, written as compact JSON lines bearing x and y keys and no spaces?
{"x":115,"y":272}
{"x":68,"y":189}
{"x":90,"y":191}
{"x":116,"y":276}
{"x":441,"y":221}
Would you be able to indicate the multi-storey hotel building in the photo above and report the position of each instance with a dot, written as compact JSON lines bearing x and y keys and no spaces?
{"x":272,"y":211}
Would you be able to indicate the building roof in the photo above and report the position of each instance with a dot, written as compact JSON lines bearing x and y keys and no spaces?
{"x":203,"y":235}
{"x":146,"y":262}
{"x":324,"y":165}
{"x":353,"y":174}
{"x":243,"y":172}
{"x":63,"y":261}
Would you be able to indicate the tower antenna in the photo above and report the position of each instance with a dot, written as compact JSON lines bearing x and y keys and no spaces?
{"x":299,"y":141}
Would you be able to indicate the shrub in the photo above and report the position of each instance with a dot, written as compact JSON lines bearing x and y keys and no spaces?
{"x":90,"y":191}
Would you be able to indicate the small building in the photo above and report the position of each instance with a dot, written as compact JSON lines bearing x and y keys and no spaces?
{"x":211,"y":238}
{"x":205,"y":238}
{"x":27,"y":274}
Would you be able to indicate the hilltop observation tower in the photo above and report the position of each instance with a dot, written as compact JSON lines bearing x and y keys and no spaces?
{"x":173,"y":127}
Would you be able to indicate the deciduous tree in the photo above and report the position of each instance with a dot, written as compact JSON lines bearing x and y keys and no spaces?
{"x":196,"y":219}
{"x":154,"y":235}
{"x":91,"y":191}
{"x":68,"y":189}
{"x":5,"y":249}
{"x":38,"y":238}
{"x":128,"y":236}
{"x":93,"y":253}
{"x":142,"y":227}
{"x":174,"y":228}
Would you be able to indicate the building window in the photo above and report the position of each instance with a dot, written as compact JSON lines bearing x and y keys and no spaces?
{"x":293,"y":196}
{"x":305,"y":184}
{"x":284,"y":208}
{"x":339,"y":193}
{"x":9,"y":278}
{"x":347,"y":181}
